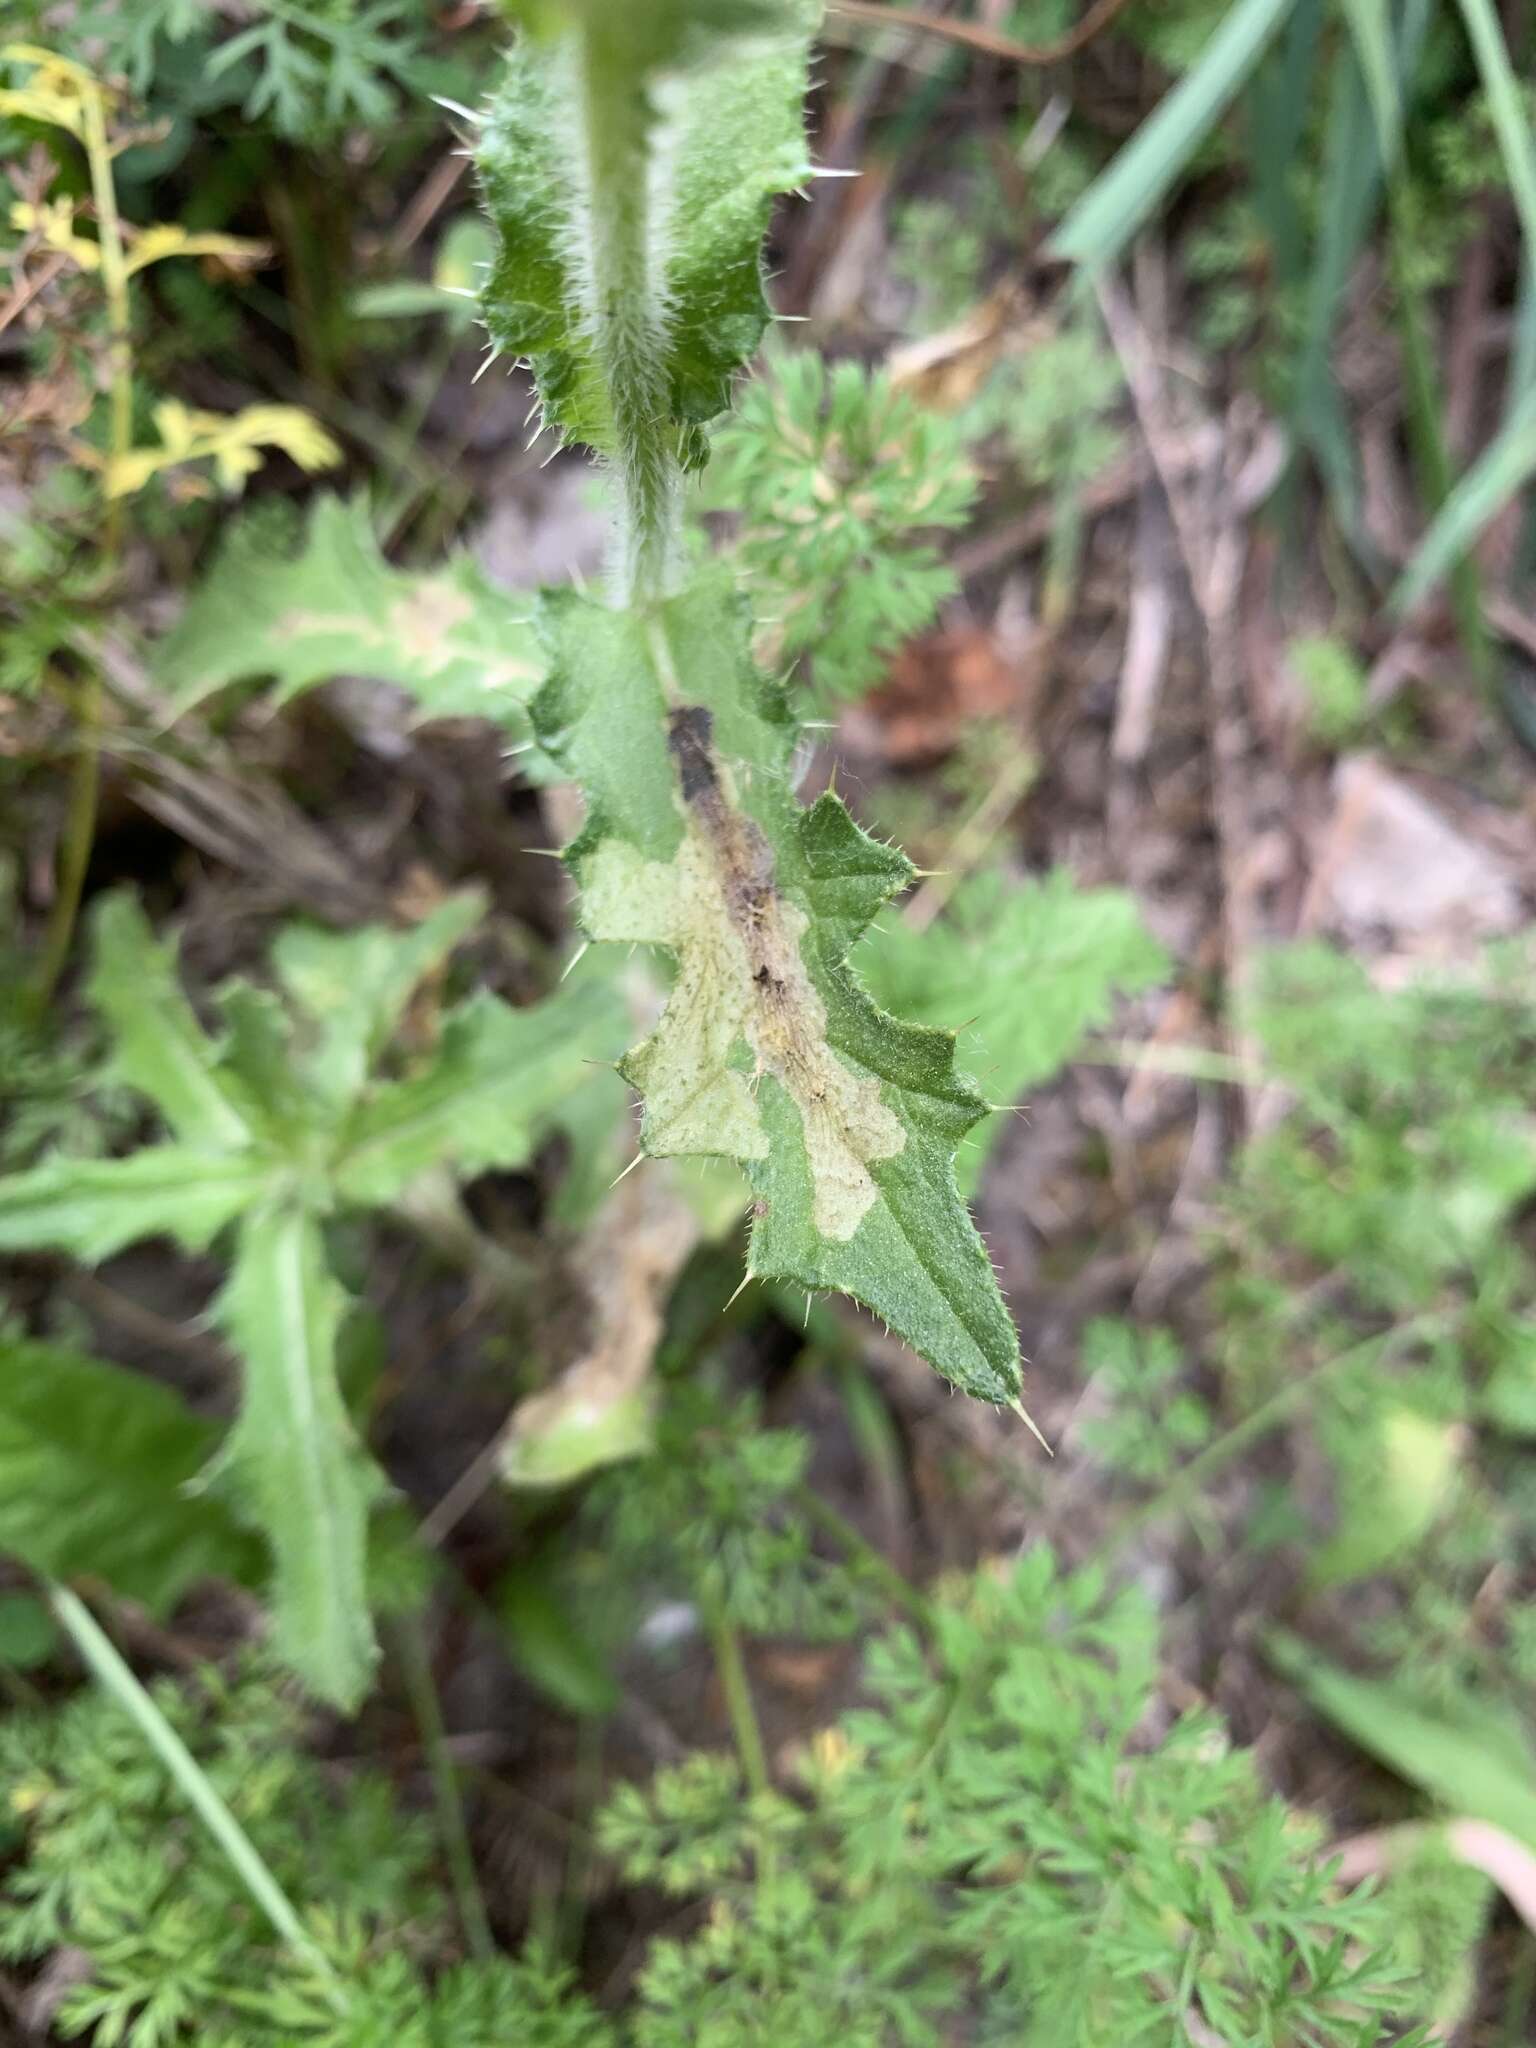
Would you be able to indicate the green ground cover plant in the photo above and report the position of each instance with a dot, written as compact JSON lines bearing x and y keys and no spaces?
{"x":986,"y":1842}
{"x":1017,"y":1833}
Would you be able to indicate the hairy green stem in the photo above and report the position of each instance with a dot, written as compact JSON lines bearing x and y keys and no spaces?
{"x":113,"y":1675}
{"x":625,"y":311}
{"x":446,"y":1797}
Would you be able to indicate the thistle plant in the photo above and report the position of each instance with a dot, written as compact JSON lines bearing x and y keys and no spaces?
{"x":293,"y":1114}
{"x":629,"y":163}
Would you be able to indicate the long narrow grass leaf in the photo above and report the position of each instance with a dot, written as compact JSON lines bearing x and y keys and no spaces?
{"x":1351,"y":190}
{"x":1505,"y":109}
{"x":113,"y":1675}
{"x":1116,"y":204}
{"x":1370,"y":26}
{"x":1504,"y":467}
{"x":1280,"y":107}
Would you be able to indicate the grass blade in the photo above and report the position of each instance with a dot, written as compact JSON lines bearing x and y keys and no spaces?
{"x":1369,"y":25}
{"x":1505,"y":109}
{"x":1279,"y":110}
{"x":1117,"y":203}
{"x":1352,"y":178}
{"x":1504,"y":467}
{"x":113,"y":1675}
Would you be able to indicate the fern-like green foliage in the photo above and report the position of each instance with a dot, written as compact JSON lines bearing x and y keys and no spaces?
{"x":120,"y":1873}
{"x":291,"y":1114}
{"x":1411,"y":1146}
{"x":713,"y":1515}
{"x":1026,"y":969}
{"x":1152,"y":1423}
{"x":993,"y":1845}
{"x":1005,"y":1843}
{"x":1053,"y":407}
{"x":305,"y":69}
{"x":331,"y":605}
{"x":839,"y":480}
{"x":1385,"y":1201}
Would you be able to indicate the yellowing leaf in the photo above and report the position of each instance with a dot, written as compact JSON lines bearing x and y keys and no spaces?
{"x":231,"y":441}
{"x":59,"y":92}
{"x":169,"y":238}
{"x":54,"y":224}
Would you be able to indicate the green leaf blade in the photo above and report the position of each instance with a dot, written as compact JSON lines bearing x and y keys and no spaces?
{"x":98,"y":1475}
{"x":293,"y":1460}
{"x":93,"y":1207}
{"x":1116,"y":205}
{"x":718,"y":88}
{"x":353,"y":987}
{"x":487,"y":1096}
{"x":1470,"y":1756}
{"x":158,"y":1047}
{"x":1503,"y":469}
{"x":1027,"y":968}
{"x":334,"y":606}
{"x":768,"y":1051}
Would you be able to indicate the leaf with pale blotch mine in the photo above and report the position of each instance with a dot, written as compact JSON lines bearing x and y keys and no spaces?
{"x":294,"y":1464}
{"x":98,"y":1467}
{"x":722,"y":82}
{"x":1027,"y":969}
{"x":768,"y":1052}
{"x":333,"y":606}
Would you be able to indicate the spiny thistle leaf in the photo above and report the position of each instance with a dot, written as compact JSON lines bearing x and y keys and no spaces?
{"x":717,"y":86}
{"x":352,"y":987}
{"x":1030,"y":968}
{"x":768,"y":1051}
{"x":298,"y":1471}
{"x":486,"y":1097}
{"x":333,"y":606}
